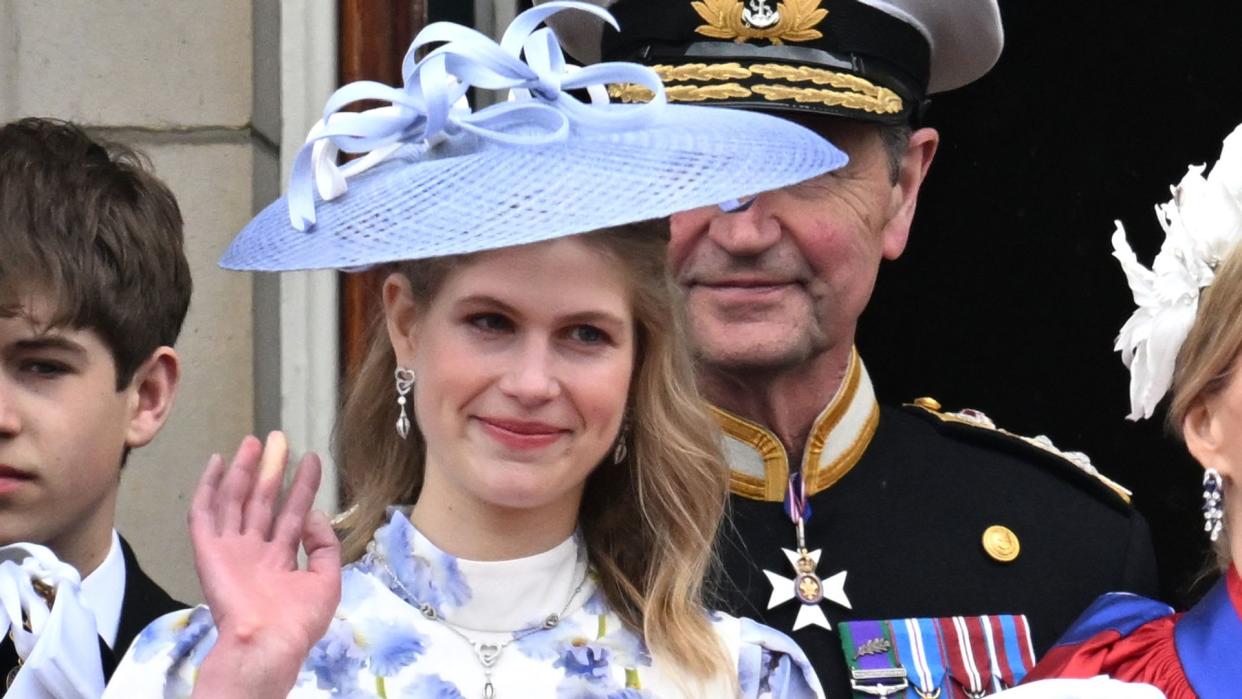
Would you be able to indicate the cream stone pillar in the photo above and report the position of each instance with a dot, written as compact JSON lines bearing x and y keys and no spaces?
{"x":309,"y":325}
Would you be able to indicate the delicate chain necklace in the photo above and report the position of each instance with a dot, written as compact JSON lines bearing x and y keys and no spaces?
{"x":488,"y":654}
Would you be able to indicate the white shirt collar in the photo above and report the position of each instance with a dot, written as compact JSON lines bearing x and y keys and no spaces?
{"x":104,"y":590}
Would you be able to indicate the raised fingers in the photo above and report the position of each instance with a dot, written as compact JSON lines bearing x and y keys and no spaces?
{"x":236,"y":486}
{"x":323,"y":549}
{"x":259,"y":509}
{"x":202,"y":515}
{"x":292,"y":518}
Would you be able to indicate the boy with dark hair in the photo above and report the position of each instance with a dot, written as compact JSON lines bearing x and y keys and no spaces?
{"x":94,"y":286}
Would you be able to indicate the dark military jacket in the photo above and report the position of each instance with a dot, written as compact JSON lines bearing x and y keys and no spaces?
{"x":930,"y":514}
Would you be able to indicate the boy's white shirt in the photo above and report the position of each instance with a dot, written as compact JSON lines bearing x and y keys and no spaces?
{"x":104,"y":590}
{"x":60,"y":645}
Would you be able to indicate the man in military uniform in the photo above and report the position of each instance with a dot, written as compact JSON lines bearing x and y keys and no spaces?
{"x":907,"y":549}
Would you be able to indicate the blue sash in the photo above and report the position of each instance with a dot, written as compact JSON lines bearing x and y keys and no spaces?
{"x":1209,"y":644}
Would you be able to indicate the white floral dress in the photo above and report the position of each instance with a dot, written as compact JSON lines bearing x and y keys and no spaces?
{"x":380,"y":644}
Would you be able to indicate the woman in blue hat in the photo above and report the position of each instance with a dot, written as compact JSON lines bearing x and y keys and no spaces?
{"x":535,"y":484}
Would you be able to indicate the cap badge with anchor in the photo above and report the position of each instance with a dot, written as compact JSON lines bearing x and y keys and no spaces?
{"x":792,"y":20}
{"x":868,"y":60}
{"x":806,"y":585}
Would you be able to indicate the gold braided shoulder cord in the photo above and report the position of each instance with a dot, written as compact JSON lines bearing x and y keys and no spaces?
{"x":831,"y":98}
{"x":703,"y":72}
{"x":630,"y":92}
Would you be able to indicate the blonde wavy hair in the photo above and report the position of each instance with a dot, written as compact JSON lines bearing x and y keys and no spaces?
{"x":649,"y":524}
{"x":1209,"y":356}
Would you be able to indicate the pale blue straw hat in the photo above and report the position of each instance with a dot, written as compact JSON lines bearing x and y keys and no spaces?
{"x":439,"y":179}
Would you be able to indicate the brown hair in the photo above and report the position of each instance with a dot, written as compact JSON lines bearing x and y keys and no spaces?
{"x":1208,"y":357}
{"x":87,"y":223}
{"x":649,"y":524}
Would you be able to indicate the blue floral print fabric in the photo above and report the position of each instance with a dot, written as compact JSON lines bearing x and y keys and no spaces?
{"x":381,"y":644}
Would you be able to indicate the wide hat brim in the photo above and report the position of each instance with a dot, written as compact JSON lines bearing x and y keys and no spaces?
{"x":467,"y":195}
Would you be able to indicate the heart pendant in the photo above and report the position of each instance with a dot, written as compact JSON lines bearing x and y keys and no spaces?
{"x":488,"y":653}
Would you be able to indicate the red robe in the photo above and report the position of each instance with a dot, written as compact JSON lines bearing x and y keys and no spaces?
{"x":1196,"y":655}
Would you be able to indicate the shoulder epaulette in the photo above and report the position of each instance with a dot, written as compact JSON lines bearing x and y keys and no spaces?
{"x":976,"y":419}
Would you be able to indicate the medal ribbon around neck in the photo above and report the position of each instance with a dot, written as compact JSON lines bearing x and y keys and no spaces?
{"x":431,"y":105}
{"x":806,"y":586}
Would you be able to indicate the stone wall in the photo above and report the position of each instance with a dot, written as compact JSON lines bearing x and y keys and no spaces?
{"x":186,"y":82}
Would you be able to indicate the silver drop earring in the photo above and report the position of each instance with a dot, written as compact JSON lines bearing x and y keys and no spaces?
{"x":1213,"y":487}
{"x":621,"y":450}
{"x":405,"y":381}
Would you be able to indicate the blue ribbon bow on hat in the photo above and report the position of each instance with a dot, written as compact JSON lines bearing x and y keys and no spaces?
{"x":431,"y":104}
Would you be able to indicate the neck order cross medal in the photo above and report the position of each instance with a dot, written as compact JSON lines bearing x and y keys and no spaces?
{"x":806,"y":585}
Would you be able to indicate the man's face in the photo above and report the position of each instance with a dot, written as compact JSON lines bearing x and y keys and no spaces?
{"x":785,"y":280}
{"x":63,"y":429}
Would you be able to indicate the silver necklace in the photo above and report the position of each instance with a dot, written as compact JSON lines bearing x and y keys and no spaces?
{"x":488,"y":654}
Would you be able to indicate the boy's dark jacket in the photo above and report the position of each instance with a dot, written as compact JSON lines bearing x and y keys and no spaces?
{"x":144,"y":602}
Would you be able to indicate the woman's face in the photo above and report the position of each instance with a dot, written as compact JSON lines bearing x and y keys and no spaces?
{"x":523,"y":362}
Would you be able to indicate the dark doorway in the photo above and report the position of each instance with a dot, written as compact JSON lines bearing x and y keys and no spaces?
{"x":1007,"y":298}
